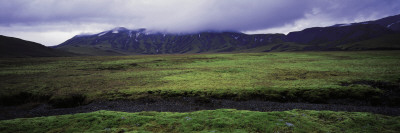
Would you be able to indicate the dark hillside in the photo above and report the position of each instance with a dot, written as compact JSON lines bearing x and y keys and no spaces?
{"x":14,"y":47}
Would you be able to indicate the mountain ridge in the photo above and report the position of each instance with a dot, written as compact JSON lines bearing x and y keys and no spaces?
{"x":123,"y":41}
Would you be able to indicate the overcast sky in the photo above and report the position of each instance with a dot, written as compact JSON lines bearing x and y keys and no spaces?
{"x":51,"y":22}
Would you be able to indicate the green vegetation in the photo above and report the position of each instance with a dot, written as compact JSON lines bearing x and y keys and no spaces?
{"x":388,"y":42}
{"x":370,"y":76}
{"x":286,"y":76}
{"x":222,"y":120}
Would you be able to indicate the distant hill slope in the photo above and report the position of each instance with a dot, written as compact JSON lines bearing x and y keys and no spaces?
{"x":337,"y":36}
{"x":356,"y":36}
{"x":14,"y":47}
{"x":386,"y":42}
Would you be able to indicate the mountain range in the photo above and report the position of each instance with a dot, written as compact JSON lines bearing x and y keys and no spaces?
{"x":382,"y":34}
{"x":371,"y":35}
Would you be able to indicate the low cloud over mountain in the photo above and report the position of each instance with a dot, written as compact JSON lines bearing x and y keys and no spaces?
{"x":53,"y":21}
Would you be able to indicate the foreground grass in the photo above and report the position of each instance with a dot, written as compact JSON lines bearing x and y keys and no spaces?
{"x":308,"y":76}
{"x":222,"y":120}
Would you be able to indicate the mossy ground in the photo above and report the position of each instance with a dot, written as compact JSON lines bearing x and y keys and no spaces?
{"x":304,"y":76}
{"x":286,"y":76}
{"x":222,"y":120}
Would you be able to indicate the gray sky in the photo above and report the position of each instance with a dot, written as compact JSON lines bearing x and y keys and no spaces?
{"x":52,"y":22}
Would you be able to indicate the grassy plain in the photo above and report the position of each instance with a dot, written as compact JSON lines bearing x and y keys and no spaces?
{"x":222,"y":120}
{"x":285,"y":76}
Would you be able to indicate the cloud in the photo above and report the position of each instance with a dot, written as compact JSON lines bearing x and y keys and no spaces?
{"x":330,"y":12}
{"x":51,"y":34}
{"x":20,"y":17}
{"x":172,"y":15}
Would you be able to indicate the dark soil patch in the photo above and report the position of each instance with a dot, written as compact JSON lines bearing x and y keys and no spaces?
{"x":22,"y":98}
{"x":184,"y":104}
{"x":365,"y":100}
{"x":358,"y":96}
{"x":390,"y":95}
{"x":72,"y":100}
{"x":133,"y":64}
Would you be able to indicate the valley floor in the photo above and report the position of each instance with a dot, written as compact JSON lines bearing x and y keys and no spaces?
{"x":365,"y":84}
{"x":183,"y":105}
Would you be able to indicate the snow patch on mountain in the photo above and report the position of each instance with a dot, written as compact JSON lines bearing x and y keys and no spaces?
{"x":102,"y":33}
{"x":130,"y":34}
{"x":341,"y":25}
{"x":392,"y":24}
